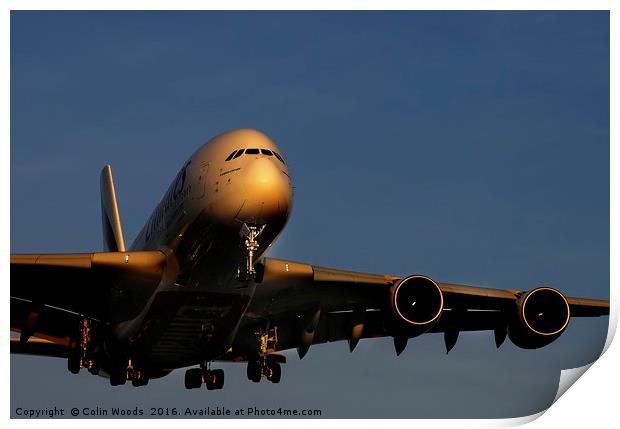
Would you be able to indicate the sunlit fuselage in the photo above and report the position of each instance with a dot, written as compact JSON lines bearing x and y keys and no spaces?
{"x":197,"y":306}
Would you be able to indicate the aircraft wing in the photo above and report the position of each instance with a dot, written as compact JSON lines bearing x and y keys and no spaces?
{"x":313,"y":305}
{"x":50,"y":293}
{"x":39,"y":347}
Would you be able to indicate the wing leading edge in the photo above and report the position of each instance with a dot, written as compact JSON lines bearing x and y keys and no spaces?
{"x":313,"y":305}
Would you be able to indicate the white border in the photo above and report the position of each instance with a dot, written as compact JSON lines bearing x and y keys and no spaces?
{"x":575,"y":408}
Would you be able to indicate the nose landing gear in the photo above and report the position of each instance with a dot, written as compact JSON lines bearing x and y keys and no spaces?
{"x":250,"y":233}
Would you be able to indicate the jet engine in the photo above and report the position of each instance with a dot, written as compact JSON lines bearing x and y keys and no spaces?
{"x":542,"y":314}
{"x":417,"y":302}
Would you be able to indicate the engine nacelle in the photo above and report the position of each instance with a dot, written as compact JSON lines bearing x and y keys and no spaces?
{"x":542,"y":314}
{"x":417,"y":302}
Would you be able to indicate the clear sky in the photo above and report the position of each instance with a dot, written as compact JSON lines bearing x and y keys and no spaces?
{"x":470,"y":147}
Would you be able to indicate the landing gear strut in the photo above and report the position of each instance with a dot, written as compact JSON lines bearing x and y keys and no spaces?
{"x":80,"y":355}
{"x":250,"y":233}
{"x":138,"y":378}
{"x":119,"y":376}
{"x":267,"y":363}
{"x":213,"y":378}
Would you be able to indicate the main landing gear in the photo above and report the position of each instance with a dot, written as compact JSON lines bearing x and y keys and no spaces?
{"x":250,"y":233}
{"x":268,"y":366}
{"x":213,"y":378}
{"x":120,"y":376}
{"x":81,"y":353}
{"x":267,"y":363}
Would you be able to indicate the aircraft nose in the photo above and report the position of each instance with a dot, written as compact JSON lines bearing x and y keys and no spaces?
{"x":267,"y":192}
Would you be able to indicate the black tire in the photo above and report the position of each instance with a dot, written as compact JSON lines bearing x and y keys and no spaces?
{"x":94,"y":369}
{"x":210,"y":384}
{"x":140,"y":381}
{"x":218,"y":379}
{"x":193,"y":378}
{"x":276,"y":373}
{"x":73,"y":361}
{"x":118,"y":378}
{"x":254,"y":371}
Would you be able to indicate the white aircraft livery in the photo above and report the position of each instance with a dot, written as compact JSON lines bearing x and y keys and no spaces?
{"x":195,"y":287}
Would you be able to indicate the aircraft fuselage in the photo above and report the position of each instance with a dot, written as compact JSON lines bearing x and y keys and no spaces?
{"x":193,"y":314}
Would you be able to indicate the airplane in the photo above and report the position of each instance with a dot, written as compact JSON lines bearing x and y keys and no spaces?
{"x":195,"y":287}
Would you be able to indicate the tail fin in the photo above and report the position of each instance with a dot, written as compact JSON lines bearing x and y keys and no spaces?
{"x":112,"y":232}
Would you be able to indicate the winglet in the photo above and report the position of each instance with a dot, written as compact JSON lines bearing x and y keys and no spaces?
{"x":112,"y":232}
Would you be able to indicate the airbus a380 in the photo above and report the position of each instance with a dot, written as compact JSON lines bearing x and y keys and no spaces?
{"x":195,"y":288}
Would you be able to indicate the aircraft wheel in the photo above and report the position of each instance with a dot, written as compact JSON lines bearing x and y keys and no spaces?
{"x":73,"y":361}
{"x":275,"y":372}
{"x":193,"y":378}
{"x":254,"y":371}
{"x":218,"y":379}
{"x":94,"y":368}
{"x":209,"y":380}
{"x":140,"y":379}
{"x":118,"y":378}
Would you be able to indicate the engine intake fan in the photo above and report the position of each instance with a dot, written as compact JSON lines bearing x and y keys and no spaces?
{"x":416,"y":301}
{"x":542,"y":314}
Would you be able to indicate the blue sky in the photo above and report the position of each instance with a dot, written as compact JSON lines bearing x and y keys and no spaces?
{"x":471,"y":147}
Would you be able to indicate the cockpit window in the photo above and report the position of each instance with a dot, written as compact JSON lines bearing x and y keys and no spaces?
{"x":254,"y":151}
{"x":279,"y":157}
